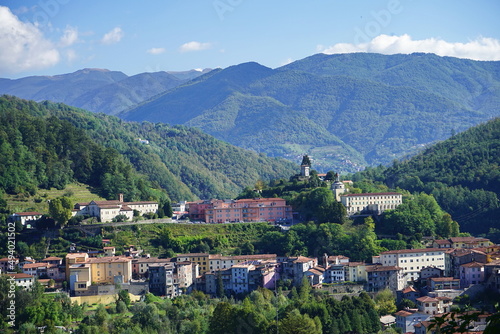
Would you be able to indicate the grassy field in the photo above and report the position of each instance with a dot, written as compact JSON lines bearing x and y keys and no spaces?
{"x":39,"y":202}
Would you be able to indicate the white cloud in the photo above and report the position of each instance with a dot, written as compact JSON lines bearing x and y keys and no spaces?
{"x":194,"y":46}
{"x":156,"y":51}
{"x":23,"y":46}
{"x":481,"y":48}
{"x":70,"y":37}
{"x":112,"y":37}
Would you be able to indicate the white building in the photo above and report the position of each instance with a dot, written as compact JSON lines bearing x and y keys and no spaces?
{"x":414,"y":260}
{"x":25,"y":218}
{"x":107,"y":210}
{"x":374,"y":202}
{"x":407,"y":319}
{"x":22,"y":280}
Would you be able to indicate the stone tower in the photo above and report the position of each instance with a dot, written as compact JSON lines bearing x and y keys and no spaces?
{"x":305,"y":166}
{"x":338,"y":188}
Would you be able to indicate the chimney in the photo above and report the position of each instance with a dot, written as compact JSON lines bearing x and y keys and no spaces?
{"x":120,"y":197}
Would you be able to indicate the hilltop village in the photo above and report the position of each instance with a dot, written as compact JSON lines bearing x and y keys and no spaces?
{"x":430,"y":278}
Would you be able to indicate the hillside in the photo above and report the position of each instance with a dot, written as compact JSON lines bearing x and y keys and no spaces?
{"x":50,"y":145}
{"x":346,"y":111}
{"x":461,"y":172}
{"x":97,"y":90}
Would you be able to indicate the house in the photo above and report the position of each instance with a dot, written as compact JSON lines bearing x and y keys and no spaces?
{"x":8,"y":264}
{"x":140,"y":265}
{"x":443,"y":283}
{"x":53,"y":260}
{"x":294,"y":268}
{"x":371,"y":202}
{"x":384,"y":277}
{"x":409,"y":293}
{"x":356,"y":272}
{"x":243,"y":277}
{"x":25,"y":218}
{"x":105,"y":211}
{"x":414,"y":260}
{"x":335,"y":273}
{"x":201,"y":259}
{"x":433,"y":306}
{"x":22,"y":280}
{"x":408,"y":318}
{"x":82,"y":271}
{"x":217,"y":261}
{"x":460,"y":256}
{"x":428,"y":272}
{"x":315,"y":276}
{"x":26,"y":260}
{"x":471,"y":273}
{"x":161,"y":279}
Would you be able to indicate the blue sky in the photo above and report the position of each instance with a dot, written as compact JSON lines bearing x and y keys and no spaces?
{"x":48,"y":37}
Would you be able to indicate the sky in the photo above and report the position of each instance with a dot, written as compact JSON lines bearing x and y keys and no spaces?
{"x":50,"y":37}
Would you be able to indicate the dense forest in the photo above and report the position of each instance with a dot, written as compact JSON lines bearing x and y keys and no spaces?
{"x":44,"y":145}
{"x":462,"y":173}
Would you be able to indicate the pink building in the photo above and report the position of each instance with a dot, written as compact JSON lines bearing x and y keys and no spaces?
{"x":471,"y":273}
{"x":246,"y":210}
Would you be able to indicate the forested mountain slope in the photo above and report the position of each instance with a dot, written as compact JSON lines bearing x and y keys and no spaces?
{"x":346,"y":111}
{"x":49,"y":145}
{"x":462,"y":172}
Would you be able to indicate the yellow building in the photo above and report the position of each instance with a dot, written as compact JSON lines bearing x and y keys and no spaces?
{"x":82,"y":271}
{"x":104,"y":269}
{"x":201,"y":259}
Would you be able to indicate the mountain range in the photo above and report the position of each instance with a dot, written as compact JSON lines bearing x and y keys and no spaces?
{"x":346,"y":111}
{"x":97,"y":90}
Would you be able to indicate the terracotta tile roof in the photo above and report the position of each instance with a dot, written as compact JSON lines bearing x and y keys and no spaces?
{"x":443,"y":279}
{"x":371,"y":194}
{"x":355,"y":264}
{"x":20,"y":275}
{"x":467,"y":239}
{"x":409,"y":290}
{"x":403,"y":313}
{"x":35,"y":265}
{"x":421,"y":250}
{"x":52,"y":258}
{"x":28,"y":213}
{"x":109,"y":259}
{"x":427,"y":299}
{"x":303,"y":259}
{"x":472,"y":265}
{"x":193,"y":255}
{"x":378,"y":268}
{"x":442,"y":242}
{"x":151,"y":260}
{"x":138,"y":203}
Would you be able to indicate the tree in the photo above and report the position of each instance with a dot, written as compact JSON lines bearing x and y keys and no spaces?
{"x":124,"y":296}
{"x":60,"y":209}
{"x":385,"y":302}
{"x":167,"y":208}
{"x":222,"y":320}
{"x":220,"y":286}
{"x":296,"y":323}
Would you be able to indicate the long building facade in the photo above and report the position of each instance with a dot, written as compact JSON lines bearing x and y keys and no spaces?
{"x":243,"y":210}
{"x":371,"y":202}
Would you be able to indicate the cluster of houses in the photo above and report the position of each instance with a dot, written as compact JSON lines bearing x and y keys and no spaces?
{"x":443,"y":271}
